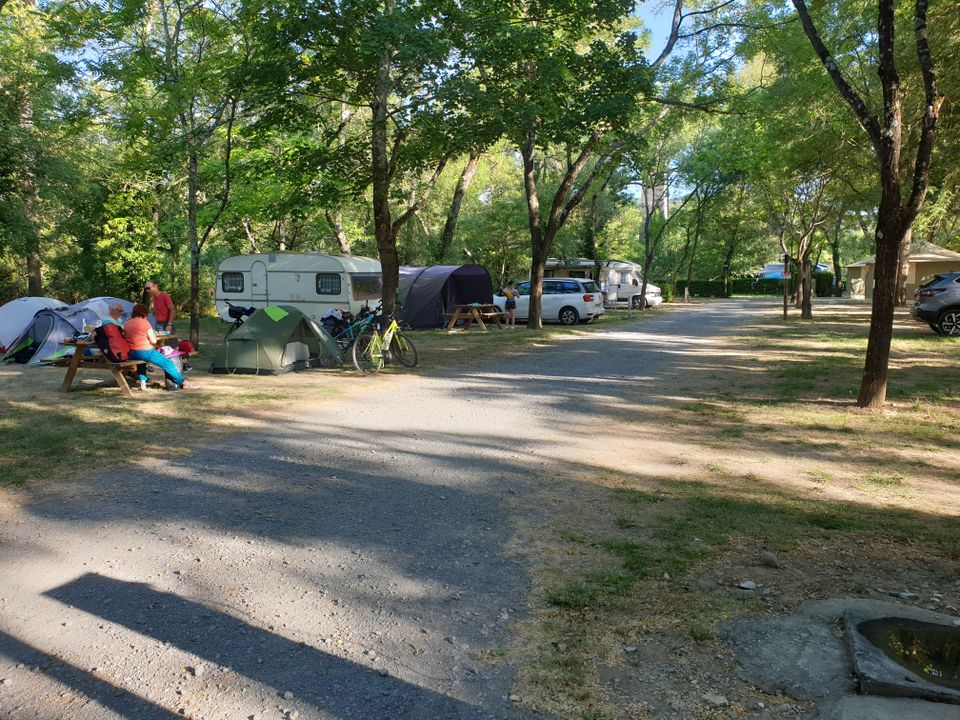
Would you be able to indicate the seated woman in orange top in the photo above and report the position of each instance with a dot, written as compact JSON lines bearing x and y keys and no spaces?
{"x":143,"y":346}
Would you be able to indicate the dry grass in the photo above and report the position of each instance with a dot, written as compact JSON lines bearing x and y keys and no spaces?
{"x":770,"y":453}
{"x":48,"y":436}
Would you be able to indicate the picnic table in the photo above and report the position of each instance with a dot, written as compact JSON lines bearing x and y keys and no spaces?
{"x":80,"y":361}
{"x":474,"y":313}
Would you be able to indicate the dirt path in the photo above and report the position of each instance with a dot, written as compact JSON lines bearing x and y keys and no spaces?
{"x":350,"y":563}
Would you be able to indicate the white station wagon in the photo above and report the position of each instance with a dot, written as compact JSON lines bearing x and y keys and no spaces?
{"x":564,"y":300}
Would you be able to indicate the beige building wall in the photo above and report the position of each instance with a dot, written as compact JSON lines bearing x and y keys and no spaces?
{"x":920,"y":272}
{"x":860,"y":278}
{"x":855,"y":287}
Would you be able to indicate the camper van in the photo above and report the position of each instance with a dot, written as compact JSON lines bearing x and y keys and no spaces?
{"x":311,"y":282}
{"x":620,"y":280}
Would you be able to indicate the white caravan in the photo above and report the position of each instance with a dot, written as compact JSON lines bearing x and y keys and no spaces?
{"x":621,"y":281}
{"x":311,"y":282}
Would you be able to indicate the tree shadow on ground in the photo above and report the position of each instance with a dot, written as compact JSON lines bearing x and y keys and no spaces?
{"x":337,"y":687}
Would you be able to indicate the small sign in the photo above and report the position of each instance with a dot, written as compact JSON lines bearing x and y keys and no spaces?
{"x":787,"y":275}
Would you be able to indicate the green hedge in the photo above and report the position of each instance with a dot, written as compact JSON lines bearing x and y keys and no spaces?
{"x":822,"y":282}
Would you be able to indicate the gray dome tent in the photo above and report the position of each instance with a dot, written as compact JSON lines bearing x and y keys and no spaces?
{"x":429,"y":292}
{"x":43,"y":338}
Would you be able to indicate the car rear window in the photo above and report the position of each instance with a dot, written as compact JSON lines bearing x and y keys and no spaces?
{"x":935,"y":279}
{"x":591,"y":287}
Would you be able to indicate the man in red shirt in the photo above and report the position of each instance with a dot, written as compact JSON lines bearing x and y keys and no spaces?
{"x":164,"y":311}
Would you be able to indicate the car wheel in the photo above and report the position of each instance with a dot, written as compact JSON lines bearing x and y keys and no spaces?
{"x":569,"y":316}
{"x":639,"y":303}
{"x":949,"y":323}
{"x":936,"y":329}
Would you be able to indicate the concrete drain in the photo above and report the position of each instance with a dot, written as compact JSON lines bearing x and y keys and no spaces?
{"x":903,"y":657}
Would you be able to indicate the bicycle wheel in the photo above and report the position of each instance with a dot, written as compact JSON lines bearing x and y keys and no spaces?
{"x":403,"y":351}
{"x":367,"y":353}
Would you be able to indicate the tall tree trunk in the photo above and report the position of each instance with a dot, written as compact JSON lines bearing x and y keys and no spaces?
{"x":449,"y":228}
{"x":31,"y":195}
{"x":193,"y":180}
{"x":248,"y":230}
{"x":903,"y":266}
{"x":336,"y":223}
{"x":382,"y":221}
{"x":835,"y":249}
{"x":693,"y":250}
{"x":806,"y":291}
{"x":539,"y":256}
{"x":727,"y":260}
{"x":894,"y":217}
{"x":873,"y":387}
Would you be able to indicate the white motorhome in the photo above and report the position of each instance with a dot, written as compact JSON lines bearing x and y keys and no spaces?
{"x":311,"y":282}
{"x":620,"y":280}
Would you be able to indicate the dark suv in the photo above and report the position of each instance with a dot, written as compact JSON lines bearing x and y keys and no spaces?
{"x":937,"y":302}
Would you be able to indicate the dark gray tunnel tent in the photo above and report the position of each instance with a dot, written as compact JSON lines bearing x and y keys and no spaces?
{"x":429,"y":292}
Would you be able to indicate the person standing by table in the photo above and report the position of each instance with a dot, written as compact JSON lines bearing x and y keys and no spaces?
{"x":510,"y":305}
{"x":164,"y":312}
{"x":143,"y":346}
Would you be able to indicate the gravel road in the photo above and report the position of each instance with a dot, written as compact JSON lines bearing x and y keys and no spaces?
{"x":351,"y":563}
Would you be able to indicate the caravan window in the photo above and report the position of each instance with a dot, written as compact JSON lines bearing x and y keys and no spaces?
{"x":366,"y":286}
{"x":232,"y":282}
{"x":328,"y":283}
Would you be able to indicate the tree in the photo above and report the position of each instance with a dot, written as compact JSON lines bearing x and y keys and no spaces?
{"x":398,"y":64}
{"x":175,"y":66}
{"x":34,"y":81}
{"x":895,"y":213}
{"x":565,"y":81}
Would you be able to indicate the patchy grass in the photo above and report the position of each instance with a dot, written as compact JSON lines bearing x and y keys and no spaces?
{"x":47,"y":436}
{"x":775,"y":456}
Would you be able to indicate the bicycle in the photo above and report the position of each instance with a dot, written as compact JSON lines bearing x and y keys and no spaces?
{"x":374,"y":349}
{"x":346,"y":329}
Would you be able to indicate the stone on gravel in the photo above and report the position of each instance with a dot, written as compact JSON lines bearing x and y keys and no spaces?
{"x":384,"y":672}
{"x":908,"y":596}
{"x":715,"y":699}
{"x":769,"y":559}
{"x":798,"y":655}
{"x":747,"y":585}
{"x":863,"y":707}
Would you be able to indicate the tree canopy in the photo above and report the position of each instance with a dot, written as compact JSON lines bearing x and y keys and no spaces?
{"x":152,"y":139}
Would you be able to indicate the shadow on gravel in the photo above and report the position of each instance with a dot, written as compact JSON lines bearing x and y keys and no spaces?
{"x":121,"y":701}
{"x":336,"y":686}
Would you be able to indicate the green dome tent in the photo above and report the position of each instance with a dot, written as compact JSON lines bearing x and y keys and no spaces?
{"x":274,"y":340}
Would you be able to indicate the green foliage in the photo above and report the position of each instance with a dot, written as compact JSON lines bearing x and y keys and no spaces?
{"x":96,"y":106}
{"x":128,"y":245}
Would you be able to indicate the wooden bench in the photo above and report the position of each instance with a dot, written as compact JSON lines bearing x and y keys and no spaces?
{"x":78,"y":361}
{"x":470,"y":314}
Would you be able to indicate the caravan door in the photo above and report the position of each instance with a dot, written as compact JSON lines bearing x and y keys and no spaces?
{"x":258,"y":283}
